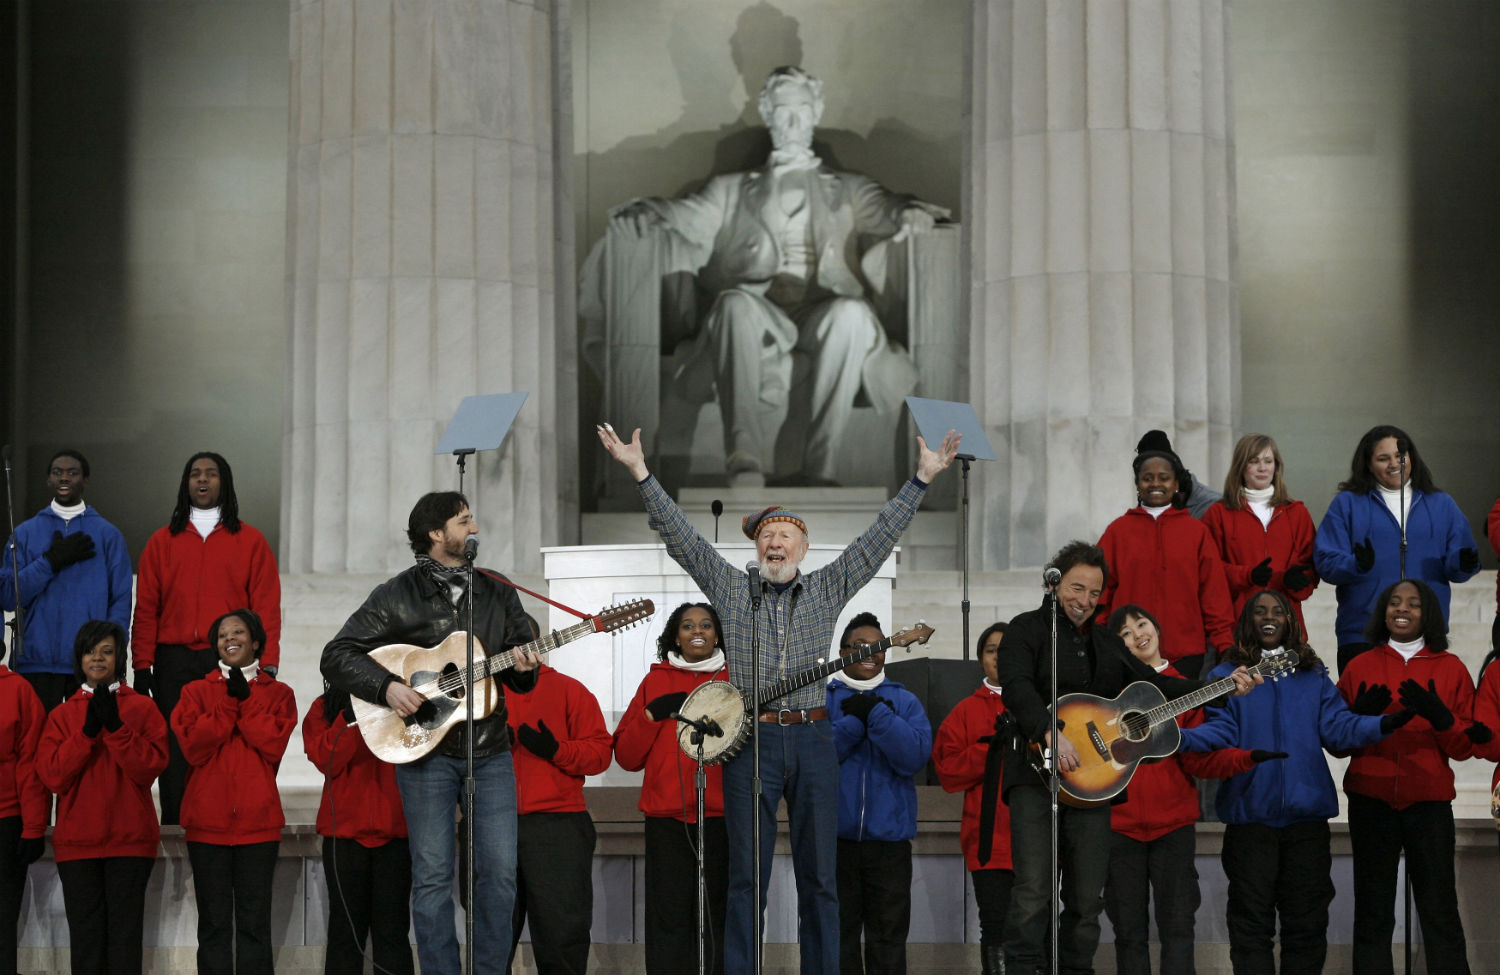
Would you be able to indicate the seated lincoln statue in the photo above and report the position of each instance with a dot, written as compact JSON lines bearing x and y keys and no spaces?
{"x":790,"y":328}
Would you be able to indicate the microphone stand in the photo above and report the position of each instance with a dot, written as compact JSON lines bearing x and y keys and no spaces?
{"x":705,"y":727}
{"x":963,"y":536}
{"x":471,"y":905}
{"x":1401,"y":507}
{"x":756,"y":951}
{"x":1401,"y":454}
{"x":17,"y":618}
{"x":1053,"y":781}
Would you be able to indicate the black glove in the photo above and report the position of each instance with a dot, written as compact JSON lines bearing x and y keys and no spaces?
{"x":1390,"y":722}
{"x":1364,"y":555}
{"x":1371,"y":700}
{"x":1296,"y":578}
{"x":860,"y":706}
{"x":108,"y":707}
{"x":1468,"y":559}
{"x":93,"y":719}
{"x":1425,"y":702}
{"x":67,"y":549}
{"x":663,"y":707}
{"x":1261,"y":574}
{"x":142,"y":682}
{"x":1479,"y":733}
{"x":236,"y":685}
{"x":539,"y":741}
{"x":1258,"y":755}
{"x":29,"y":851}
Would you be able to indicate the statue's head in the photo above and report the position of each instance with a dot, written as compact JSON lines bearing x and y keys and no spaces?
{"x":791,"y":104}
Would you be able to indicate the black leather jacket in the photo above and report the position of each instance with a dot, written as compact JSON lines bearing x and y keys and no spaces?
{"x":415,"y":608}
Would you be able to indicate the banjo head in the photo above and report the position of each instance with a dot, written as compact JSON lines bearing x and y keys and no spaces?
{"x":718,"y":701}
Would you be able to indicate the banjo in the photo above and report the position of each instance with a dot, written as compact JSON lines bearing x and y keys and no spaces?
{"x":722,"y":703}
{"x":437,"y":673}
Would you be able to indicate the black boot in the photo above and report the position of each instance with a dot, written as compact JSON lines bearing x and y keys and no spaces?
{"x":992,"y":959}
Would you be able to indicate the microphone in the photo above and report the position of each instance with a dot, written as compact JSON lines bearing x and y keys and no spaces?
{"x":1051,"y":577}
{"x":1402,"y":447}
{"x":718,"y":509}
{"x":752,"y":568}
{"x":471,"y":548}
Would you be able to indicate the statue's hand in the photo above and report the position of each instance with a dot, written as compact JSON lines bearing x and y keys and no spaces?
{"x":931,"y":463}
{"x":636,"y":217}
{"x":919,"y":218}
{"x":630,"y":454}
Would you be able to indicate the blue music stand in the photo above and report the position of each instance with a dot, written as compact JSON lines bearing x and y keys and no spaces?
{"x":480,"y":423}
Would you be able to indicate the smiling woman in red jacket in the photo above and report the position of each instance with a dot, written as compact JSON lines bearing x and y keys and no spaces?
{"x":100,"y":752}
{"x":366,"y":857}
{"x":1160,"y":556}
{"x":1264,"y":538}
{"x":690,"y":652}
{"x":1401,"y":788}
{"x":233,"y":726}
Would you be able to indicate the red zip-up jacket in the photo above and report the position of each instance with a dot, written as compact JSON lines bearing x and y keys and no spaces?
{"x":21,"y":719}
{"x":1492,"y":529}
{"x":103,"y":784}
{"x":1170,"y":566}
{"x":572,"y":715}
{"x":184,"y":582}
{"x":1243,"y":543}
{"x":234,"y":749}
{"x":667,"y":789}
{"x":1411,"y":764}
{"x":958,"y":756}
{"x":1162,"y":796}
{"x":1487,"y":713}
{"x":359,"y":790}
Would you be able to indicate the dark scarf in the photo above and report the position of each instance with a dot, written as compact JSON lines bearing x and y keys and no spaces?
{"x":453,"y":580}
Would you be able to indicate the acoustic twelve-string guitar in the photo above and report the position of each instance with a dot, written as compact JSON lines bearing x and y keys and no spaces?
{"x":437,"y":673}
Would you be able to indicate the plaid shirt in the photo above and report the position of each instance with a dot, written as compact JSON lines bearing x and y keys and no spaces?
{"x":795,"y":626}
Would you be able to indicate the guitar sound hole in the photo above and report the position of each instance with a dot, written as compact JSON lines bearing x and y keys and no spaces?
{"x":451,"y":671}
{"x":1135,"y":726}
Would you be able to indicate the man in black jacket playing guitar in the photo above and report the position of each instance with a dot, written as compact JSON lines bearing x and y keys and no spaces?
{"x":421,"y":607}
{"x":1092,"y":660}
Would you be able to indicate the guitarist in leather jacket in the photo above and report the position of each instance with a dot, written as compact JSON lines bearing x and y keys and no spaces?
{"x":422,"y":606}
{"x":1092,"y":659}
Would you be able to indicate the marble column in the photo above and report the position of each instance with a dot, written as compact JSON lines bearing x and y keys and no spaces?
{"x":1101,"y":213}
{"x":421,"y":263}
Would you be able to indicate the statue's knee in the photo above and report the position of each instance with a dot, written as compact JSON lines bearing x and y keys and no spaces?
{"x":734,"y":304}
{"x":852,"y":319}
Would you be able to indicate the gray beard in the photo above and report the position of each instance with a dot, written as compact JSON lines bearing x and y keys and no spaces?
{"x":779,"y":572}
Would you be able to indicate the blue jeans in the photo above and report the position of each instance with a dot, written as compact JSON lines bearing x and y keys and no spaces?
{"x":800,"y":763}
{"x":430,"y":792}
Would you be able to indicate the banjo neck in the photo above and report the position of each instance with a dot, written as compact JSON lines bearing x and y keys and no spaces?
{"x":795,"y":682}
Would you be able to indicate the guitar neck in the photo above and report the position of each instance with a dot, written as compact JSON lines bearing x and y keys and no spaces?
{"x":1196,"y":699}
{"x":795,"y":682}
{"x":491,"y":666}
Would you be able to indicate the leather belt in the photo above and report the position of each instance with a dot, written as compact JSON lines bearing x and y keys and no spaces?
{"x":785,"y":717}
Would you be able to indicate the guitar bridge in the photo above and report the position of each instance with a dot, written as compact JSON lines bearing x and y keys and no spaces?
{"x":1098,"y":741}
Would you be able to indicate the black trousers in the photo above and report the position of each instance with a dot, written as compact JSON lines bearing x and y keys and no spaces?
{"x":992,"y":896}
{"x":369,"y":895}
{"x":105,"y":900}
{"x":1083,"y":859}
{"x":671,"y":895}
{"x":1163,"y":870}
{"x":53,"y":689}
{"x":1273,"y":871}
{"x":176,"y":667}
{"x":12,"y":889}
{"x":555,"y":890}
{"x":874,"y":899}
{"x":1377,"y":835}
{"x":233,"y":885}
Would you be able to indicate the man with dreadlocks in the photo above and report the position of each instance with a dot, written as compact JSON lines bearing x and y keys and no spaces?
{"x":422,"y":607}
{"x":203,"y":564}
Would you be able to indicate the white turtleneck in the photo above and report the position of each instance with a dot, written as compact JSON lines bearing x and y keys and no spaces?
{"x":707,"y":665}
{"x":204,"y":519}
{"x":1393,"y":501}
{"x":858,"y":685}
{"x":1154,"y":512}
{"x":1259,"y":501}
{"x":1409,"y":650}
{"x":67,"y":512}
{"x":992,"y":688}
{"x":249,"y":670}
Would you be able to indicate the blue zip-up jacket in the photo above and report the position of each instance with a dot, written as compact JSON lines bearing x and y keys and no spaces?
{"x":56,"y":604}
{"x":877,"y":764}
{"x":1436,"y":531}
{"x":1300,"y":714}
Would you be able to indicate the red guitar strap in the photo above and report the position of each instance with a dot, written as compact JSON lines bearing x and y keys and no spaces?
{"x":518,"y":586}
